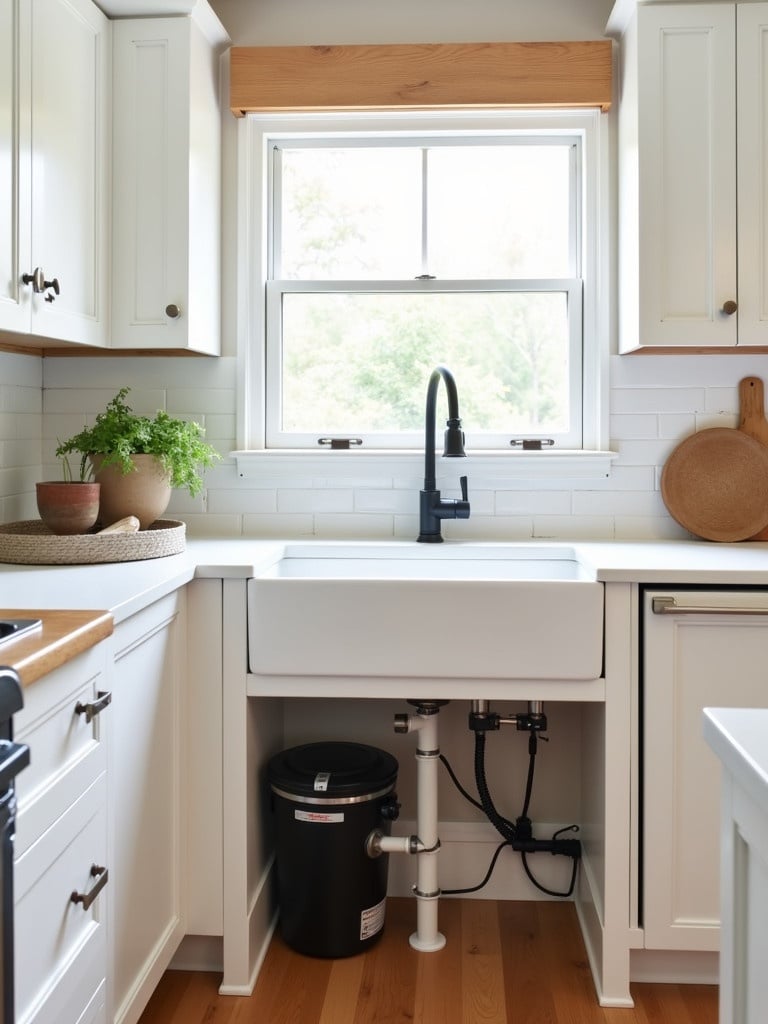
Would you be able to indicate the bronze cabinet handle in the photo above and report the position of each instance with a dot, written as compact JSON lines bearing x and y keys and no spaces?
{"x":729,"y":307}
{"x":94,"y":707}
{"x":87,"y":898}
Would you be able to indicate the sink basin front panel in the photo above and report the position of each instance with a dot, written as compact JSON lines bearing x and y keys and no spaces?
{"x":465,"y":628}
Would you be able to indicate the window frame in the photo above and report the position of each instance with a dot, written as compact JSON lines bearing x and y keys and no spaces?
{"x":254,"y":135}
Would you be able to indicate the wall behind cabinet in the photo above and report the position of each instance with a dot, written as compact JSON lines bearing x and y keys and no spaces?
{"x":21,"y":379}
{"x":307,"y":22}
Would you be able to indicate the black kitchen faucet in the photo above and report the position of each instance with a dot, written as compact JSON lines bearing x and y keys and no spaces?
{"x":431,"y":508}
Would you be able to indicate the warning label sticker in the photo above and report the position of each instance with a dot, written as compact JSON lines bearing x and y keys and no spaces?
{"x":318,"y":817}
{"x":372,"y":920}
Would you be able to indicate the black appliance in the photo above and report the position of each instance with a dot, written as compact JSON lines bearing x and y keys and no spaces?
{"x":13,"y":757}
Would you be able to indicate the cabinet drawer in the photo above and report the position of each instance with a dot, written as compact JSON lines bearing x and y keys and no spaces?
{"x":96,"y":1010}
{"x":60,"y":946}
{"x":66,"y":750}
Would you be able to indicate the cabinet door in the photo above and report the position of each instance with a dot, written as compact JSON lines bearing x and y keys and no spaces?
{"x":167,"y":128}
{"x":687,"y":174}
{"x":146,"y":812}
{"x":14,"y":173}
{"x":691,"y":661}
{"x":752,"y":88}
{"x":69,"y":51}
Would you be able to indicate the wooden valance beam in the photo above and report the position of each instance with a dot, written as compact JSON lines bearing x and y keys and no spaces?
{"x":420,"y":76}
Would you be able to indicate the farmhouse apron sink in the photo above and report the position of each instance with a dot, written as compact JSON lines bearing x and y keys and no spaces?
{"x":463,"y":611}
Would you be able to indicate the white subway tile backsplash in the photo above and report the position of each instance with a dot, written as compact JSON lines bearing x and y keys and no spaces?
{"x":293,"y":501}
{"x":182,"y":504}
{"x":624,"y":478}
{"x":489,"y":528}
{"x":16,"y":480}
{"x":19,"y":371}
{"x":521,"y":503}
{"x":676,"y":425}
{"x":573,"y":527}
{"x":354,"y":527}
{"x":634,"y":425}
{"x":648,"y":528}
{"x":644,"y":453}
{"x":278,"y":526}
{"x":199,"y":401}
{"x":618,"y":503}
{"x":655,"y":401}
{"x":359,"y":482}
{"x":220,"y":425}
{"x":140,"y":373}
{"x":17,"y":507}
{"x":706,"y":420}
{"x":656,"y":372}
{"x":241,"y":501}
{"x":20,"y":452}
{"x":387,"y":500}
{"x":213,"y":525}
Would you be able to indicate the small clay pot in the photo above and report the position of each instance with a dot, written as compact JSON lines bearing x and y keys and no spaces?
{"x":68,"y":507}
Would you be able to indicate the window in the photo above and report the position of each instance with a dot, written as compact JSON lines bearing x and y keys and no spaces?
{"x":392,"y":244}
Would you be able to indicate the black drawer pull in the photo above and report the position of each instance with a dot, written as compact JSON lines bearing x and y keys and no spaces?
{"x":87,"y":898}
{"x":94,"y":707}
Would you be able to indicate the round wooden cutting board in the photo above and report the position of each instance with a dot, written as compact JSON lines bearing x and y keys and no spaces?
{"x":715,"y":484}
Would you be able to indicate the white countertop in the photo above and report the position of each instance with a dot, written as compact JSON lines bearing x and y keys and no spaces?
{"x":123,"y":588}
{"x":739,"y":737}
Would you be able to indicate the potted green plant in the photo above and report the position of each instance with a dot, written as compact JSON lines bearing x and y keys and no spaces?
{"x":69,"y":506}
{"x":138,"y":459}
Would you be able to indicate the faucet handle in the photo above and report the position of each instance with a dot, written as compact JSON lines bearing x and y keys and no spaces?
{"x":462,"y":507}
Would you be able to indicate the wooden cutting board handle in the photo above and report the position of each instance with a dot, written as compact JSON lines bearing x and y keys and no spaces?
{"x":752,"y":419}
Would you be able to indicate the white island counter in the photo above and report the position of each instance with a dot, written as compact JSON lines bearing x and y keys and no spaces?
{"x":739,"y":737}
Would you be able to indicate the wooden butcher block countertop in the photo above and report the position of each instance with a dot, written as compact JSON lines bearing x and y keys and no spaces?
{"x":62,"y":636}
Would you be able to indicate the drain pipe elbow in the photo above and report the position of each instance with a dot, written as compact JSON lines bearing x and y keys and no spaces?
{"x":378,"y":843}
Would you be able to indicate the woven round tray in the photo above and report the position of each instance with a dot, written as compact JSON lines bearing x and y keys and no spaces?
{"x":30,"y":542}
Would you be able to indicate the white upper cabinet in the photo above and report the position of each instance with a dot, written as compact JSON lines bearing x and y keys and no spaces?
{"x":54,"y":169}
{"x":167,"y":182}
{"x":693,"y":221}
{"x":752,"y":127}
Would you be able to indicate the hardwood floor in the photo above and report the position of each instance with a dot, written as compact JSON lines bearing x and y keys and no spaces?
{"x":504,"y":963}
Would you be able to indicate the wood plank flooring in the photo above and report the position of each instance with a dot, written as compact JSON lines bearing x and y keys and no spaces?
{"x":503,"y":963}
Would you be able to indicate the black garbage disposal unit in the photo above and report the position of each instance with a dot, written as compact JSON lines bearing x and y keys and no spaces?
{"x":328,"y":798}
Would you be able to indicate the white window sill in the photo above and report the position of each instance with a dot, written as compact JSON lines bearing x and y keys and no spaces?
{"x":486,"y":468}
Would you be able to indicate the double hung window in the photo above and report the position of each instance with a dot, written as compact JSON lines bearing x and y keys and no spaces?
{"x":388,"y":252}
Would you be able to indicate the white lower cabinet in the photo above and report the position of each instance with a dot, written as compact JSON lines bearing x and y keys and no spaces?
{"x":61,"y":847}
{"x":146,"y":803}
{"x":738,"y":738}
{"x":709,"y":649}
{"x":101,"y":812}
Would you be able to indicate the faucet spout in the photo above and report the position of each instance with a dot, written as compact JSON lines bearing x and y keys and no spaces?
{"x":432,"y":509}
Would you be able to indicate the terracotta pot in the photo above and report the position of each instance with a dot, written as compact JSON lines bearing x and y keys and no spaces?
{"x":68,"y":507}
{"x":144,"y":492}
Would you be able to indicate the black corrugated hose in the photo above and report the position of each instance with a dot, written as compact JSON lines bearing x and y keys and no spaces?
{"x":518,"y":835}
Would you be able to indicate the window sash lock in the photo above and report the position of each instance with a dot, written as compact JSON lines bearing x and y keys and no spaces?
{"x":340,"y":443}
{"x":532,"y":444}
